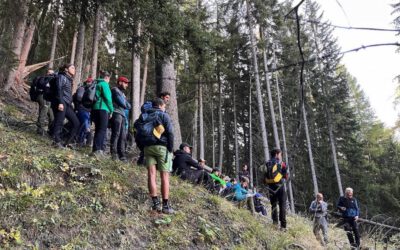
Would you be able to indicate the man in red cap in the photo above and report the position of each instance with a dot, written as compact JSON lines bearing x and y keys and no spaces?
{"x":119,"y":119}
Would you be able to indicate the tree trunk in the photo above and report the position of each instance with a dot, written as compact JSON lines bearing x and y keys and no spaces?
{"x":195,"y":124}
{"x":135,"y":93}
{"x":73,"y":50}
{"x":258,"y":86}
{"x":213,"y":130}
{"x":80,"y":46}
{"x":96,"y":38}
{"x":285,"y":151}
{"x":145,"y":69}
{"x":250,"y":140}
{"x":166,"y":81}
{"x":267,"y":81}
{"x":237,"y":168}
{"x":310,"y":154}
{"x":220,"y":121}
{"x":54,"y":39}
{"x":201,"y":122}
{"x":29,"y":32}
{"x":16,"y":44}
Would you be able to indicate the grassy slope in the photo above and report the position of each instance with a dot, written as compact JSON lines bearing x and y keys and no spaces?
{"x":64,"y":199}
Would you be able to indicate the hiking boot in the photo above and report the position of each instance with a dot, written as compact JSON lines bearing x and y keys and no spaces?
{"x":114,"y":157}
{"x":58,"y":145}
{"x":156,"y":206}
{"x":123,"y":159}
{"x":99,"y":154}
{"x":167,"y":210}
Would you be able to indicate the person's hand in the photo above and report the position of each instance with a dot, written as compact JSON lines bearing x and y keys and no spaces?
{"x":343,"y":208}
{"x":61,"y":107}
{"x":110,"y":116}
{"x":356,"y":218}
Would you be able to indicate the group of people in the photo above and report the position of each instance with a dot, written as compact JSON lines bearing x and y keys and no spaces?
{"x":154,"y":137}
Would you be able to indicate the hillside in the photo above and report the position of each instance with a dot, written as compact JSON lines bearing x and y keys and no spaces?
{"x":64,"y":199}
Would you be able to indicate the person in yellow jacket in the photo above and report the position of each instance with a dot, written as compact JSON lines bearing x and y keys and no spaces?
{"x":101,"y":112}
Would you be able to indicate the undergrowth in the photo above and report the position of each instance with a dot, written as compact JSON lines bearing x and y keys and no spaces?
{"x":65,"y":199}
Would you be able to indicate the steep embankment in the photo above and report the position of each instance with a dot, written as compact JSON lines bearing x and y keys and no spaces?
{"x":64,"y":199}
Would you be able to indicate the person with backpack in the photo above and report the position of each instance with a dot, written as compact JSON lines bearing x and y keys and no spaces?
{"x":319,"y":209}
{"x":154,"y":132}
{"x":165,"y":96}
{"x":61,"y":105}
{"x":101,"y":112}
{"x":83,"y":112}
{"x":275,"y":176}
{"x":36,"y":93}
{"x":350,"y":210}
{"x":119,"y":119}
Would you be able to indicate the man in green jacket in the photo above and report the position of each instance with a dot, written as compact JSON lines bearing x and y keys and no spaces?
{"x":101,"y":112}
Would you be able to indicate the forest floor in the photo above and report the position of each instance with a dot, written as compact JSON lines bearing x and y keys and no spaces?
{"x":65,"y":199}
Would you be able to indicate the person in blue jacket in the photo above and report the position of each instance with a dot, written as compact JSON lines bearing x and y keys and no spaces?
{"x":350,"y":210}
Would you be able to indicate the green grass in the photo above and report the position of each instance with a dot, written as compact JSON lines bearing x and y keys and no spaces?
{"x":64,"y":199}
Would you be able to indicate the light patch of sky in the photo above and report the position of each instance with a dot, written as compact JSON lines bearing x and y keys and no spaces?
{"x":374,"y":68}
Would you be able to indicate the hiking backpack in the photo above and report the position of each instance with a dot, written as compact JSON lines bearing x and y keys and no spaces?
{"x":89,"y":97}
{"x":273,"y":174}
{"x":41,"y":85}
{"x":144,"y":129}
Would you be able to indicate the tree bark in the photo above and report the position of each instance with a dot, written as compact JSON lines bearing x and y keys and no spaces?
{"x":96,"y":38}
{"x":73,"y":49}
{"x":220,"y":121}
{"x":29,"y":32}
{"x":258,"y":86}
{"x":166,"y":81}
{"x":16,"y":44}
{"x":310,"y":154}
{"x":145,"y":69}
{"x":135,"y":93}
{"x":213,"y":130}
{"x":195,"y":122}
{"x":250,"y":140}
{"x":267,"y":81}
{"x":80,"y":46}
{"x":237,"y":168}
{"x":201,"y":122}
{"x":54,"y":39}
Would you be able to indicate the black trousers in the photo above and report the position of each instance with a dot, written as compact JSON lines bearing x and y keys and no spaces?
{"x":278,"y":196}
{"x":118,"y":135}
{"x":100,"y":119}
{"x":196,"y":176}
{"x":59,"y":117}
{"x":353,"y":234}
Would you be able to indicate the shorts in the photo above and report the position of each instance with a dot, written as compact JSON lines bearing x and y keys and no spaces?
{"x":158,"y":155}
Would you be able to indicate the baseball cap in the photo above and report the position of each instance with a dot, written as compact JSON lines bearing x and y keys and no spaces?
{"x":122,"y":79}
{"x":184,"y":144}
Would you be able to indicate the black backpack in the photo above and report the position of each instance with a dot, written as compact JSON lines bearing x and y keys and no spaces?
{"x":89,"y":97}
{"x":47,"y":84}
{"x":41,"y":85}
{"x":144,"y":129}
{"x":273,"y":174}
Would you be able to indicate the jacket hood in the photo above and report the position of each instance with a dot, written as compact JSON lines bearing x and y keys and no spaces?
{"x":180,"y":152}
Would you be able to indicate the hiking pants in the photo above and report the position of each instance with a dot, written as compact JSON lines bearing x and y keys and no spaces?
{"x":44,"y":112}
{"x":84,"y":131}
{"x":118,"y":135}
{"x":59,"y":117}
{"x":320,"y":223}
{"x":351,"y":228}
{"x":278,"y":197}
{"x":100,"y":119}
{"x":196,"y":176}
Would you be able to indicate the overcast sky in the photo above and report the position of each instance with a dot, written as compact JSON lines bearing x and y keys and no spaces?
{"x":374,"y":68}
